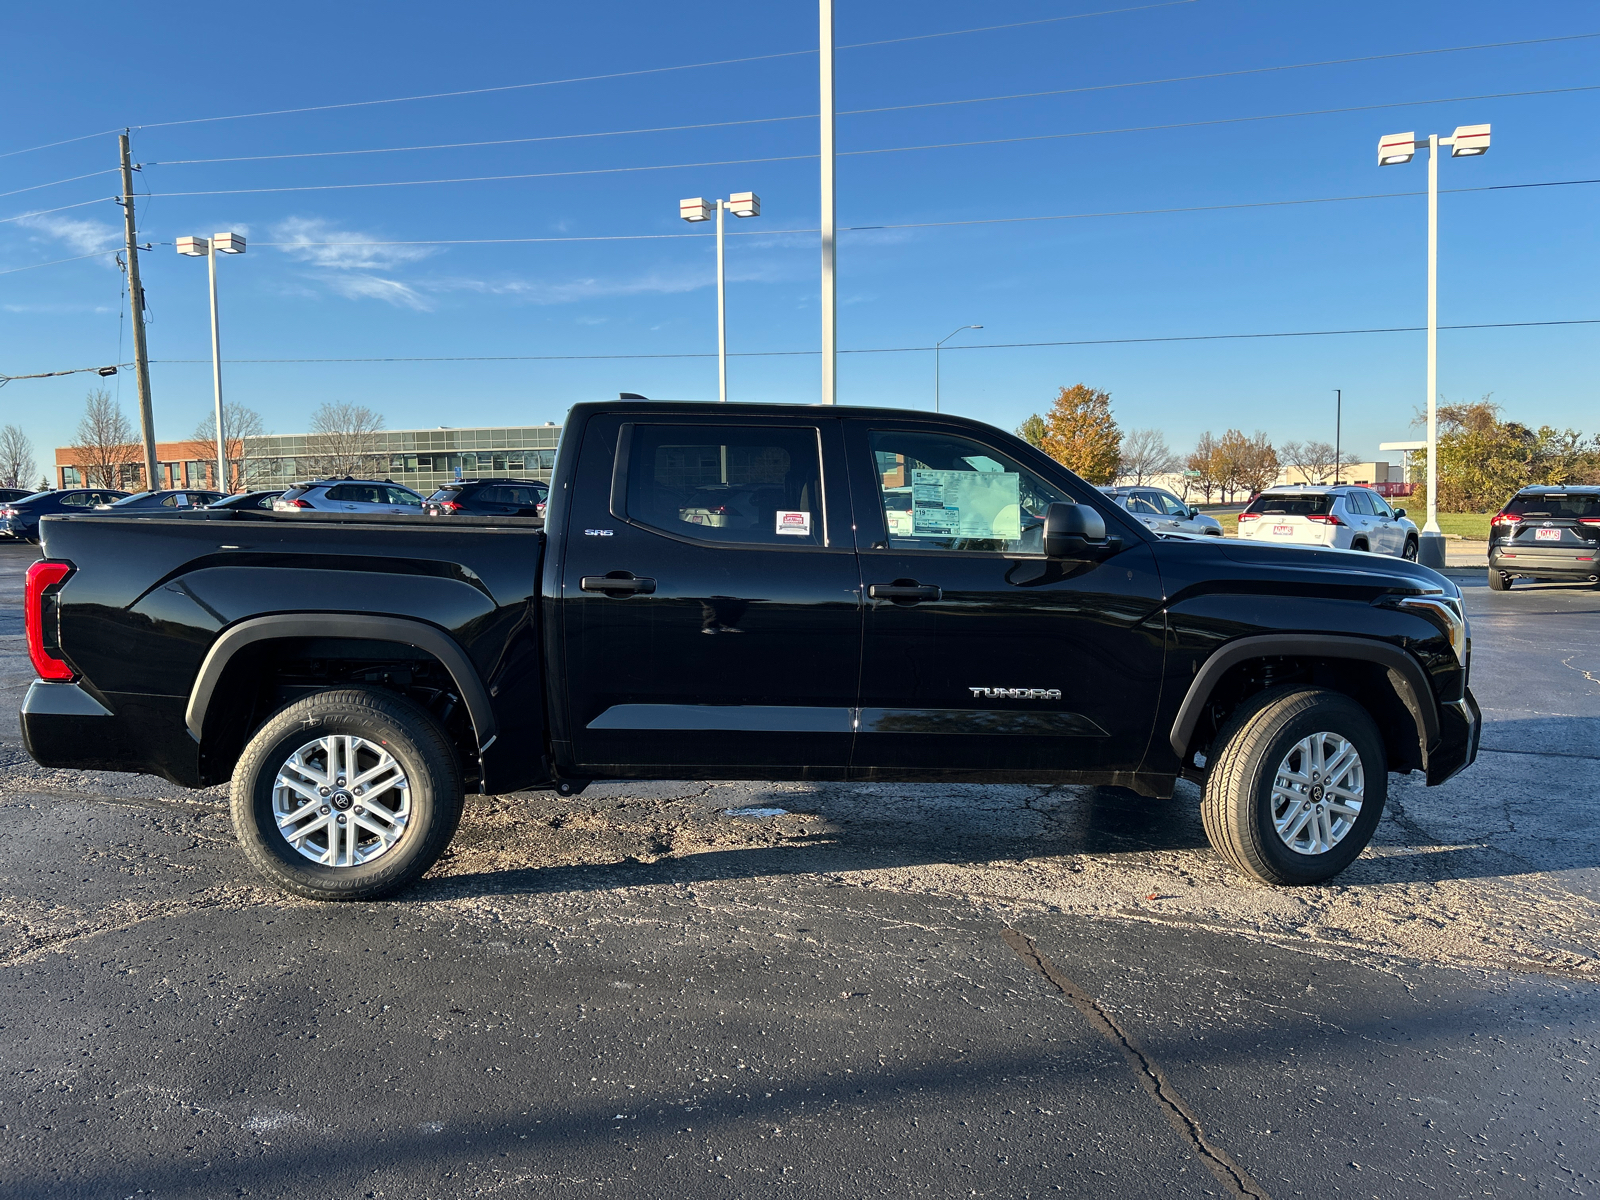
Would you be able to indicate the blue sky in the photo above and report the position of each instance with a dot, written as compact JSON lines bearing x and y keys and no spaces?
{"x":1506,"y":256}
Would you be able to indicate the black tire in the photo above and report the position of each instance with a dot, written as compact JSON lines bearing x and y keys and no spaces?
{"x":1359,"y":545}
{"x":1499,"y":581}
{"x":1409,"y":553}
{"x":431,"y":797}
{"x":1237,"y":807}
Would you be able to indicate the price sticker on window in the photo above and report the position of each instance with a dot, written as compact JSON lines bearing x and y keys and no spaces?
{"x":794,"y":524}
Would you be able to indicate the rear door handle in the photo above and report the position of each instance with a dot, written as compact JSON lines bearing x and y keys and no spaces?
{"x":903,"y":591}
{"x":619,"y":583}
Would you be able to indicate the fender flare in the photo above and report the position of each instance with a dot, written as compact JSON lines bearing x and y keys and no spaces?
{"x":423,"y":636}
{"x":1405,"y":673}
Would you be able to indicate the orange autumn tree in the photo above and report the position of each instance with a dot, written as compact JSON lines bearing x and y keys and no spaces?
{"x":1081,"y":434}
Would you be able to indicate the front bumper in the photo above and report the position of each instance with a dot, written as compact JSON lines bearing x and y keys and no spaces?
{"x":1552,"y":562}
{"x":1460,"y":727}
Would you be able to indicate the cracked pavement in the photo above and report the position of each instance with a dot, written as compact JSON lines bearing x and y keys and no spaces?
{"x":884,"y":990}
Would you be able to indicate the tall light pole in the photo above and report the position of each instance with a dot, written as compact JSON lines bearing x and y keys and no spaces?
{"x":830,"y":321}
{"x":199,"y":247}
{"x":1338,"y":430}
{"x":936,"y":347}
{"x":1395,"y":149}
{"x":740,"y":204}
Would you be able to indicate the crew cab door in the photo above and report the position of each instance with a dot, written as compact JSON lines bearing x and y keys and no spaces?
{"x":710,"y":600}
{"x":978,"y":653}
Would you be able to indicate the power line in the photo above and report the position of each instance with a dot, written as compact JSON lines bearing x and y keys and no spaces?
{"x":45,"y":212}
{"x":58,"y":262}
{"x":336,"y":187}
{"x":82,"y":137}
{"x":722,"y":62}
{"x":5,"y":379}
{"x":53,"y":183}
{"x":1129,"y":341}
{"x":560,"y":137}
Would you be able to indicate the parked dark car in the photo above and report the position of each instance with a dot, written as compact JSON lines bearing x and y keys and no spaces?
{"x":1550,"y":533}
{"x":359,"y":675}
{"x":489,"y":498}
{"x":174,"y":498}
{"x":9,"y":494}
{"x":262,"y":500}
{"x":20,"y":518}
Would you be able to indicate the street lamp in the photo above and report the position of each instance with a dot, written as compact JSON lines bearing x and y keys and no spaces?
{"x":1397,"y":149}
{"x":936,"y":347}
{"x":199,"y":247}
{"x":740,"y":204}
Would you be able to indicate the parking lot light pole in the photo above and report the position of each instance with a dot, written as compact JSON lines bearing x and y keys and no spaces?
{"x":1397,"y":149}
{"x":199,"y":247}
{"x":740,"y":204}
{"x":936,"y":348}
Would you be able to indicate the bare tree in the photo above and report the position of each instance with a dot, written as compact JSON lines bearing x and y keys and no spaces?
{"x":1145,"y":454}
{"x":16,"y":457}
{"x":105,"y":442}
{"x":1314,"y":460}
{"x":344,"y":439}
{"x":240,"y":423}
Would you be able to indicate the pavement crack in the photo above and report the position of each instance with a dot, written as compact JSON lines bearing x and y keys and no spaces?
{"x":1151,"y":1077}
{"x":1567,"y":662}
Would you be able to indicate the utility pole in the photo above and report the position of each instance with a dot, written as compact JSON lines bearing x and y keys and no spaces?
{"x":830,"y":323}
{"x":1338,"y":430}
{"x":141,"y":355}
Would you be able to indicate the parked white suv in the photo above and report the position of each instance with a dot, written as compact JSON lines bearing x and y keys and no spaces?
{"x":1341,"y":518}
{"x":349,"y":496}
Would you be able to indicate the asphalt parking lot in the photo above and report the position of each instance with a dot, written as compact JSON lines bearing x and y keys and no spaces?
{"x":878,"y":990}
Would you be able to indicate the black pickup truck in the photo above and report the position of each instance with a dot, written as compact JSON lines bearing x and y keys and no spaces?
{"x":727,"y":591}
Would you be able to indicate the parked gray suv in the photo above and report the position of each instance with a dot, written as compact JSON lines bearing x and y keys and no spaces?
{"x":1158,"y":509}
{"x":350,"y":496}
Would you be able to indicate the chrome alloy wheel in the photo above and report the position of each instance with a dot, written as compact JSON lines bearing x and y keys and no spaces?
{"x":1317,"y":793}
{"x":341,"y":801}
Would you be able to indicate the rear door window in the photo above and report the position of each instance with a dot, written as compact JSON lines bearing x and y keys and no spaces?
{"x":78,"y":500}
{"x":727,"y":483}
{"x":1556,"y":507}
{"x":1291,"y":506}
{"x":1357,"y":503}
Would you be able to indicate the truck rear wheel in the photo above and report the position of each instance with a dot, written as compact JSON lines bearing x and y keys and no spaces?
{"x":346,"y":795}
{"x":1297,"y":786}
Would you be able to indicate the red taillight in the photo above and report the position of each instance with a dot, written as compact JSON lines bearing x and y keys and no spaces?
{"x":43,"y":576}
{"x":1249,"y":516}
{"x":1324,"y":518}
{"x":1506,"y":518}
{"x":1589,"y":520}
{"x":449,"y":506}
{"x":301,"y":503}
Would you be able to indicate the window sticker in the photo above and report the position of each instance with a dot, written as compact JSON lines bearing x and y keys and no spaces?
{"x":796,"y":524}
{"x":966,"y":504}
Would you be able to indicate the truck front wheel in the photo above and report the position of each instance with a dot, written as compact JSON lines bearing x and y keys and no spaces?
{"x":346,"y":795}
{"x":1297,"y":786}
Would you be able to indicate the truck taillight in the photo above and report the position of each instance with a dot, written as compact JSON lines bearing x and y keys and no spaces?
{"x":43,"y":576}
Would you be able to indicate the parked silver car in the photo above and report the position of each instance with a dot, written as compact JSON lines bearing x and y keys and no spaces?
{"x":349,"y":496}
{"x":1158,"y":509}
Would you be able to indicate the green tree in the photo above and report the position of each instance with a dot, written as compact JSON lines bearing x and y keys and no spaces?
{"x":1033,"y":431}
{"x":1483,"y":459}
{"x":1206,"y":465}
{"x":1082,"y":435}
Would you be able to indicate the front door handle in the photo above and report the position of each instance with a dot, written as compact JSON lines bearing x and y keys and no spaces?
{"x":904,"y":591}
{"x":618,"y":583}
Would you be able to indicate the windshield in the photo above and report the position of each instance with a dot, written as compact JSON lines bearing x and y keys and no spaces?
{"x":1291,"y":506}
{"x":445,"y":494}
{"x":1555,"y":506}
{"x":133,"y":499}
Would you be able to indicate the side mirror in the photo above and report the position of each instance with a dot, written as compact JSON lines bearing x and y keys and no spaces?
{"x":1398,"y":513}
{"x":1076,"y":531}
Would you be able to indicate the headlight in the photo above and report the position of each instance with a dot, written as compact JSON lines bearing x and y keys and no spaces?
{"x":1455,"y":622}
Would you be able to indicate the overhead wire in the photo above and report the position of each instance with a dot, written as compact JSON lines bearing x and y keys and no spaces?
{"x":53,"y":183}
{"x":334,"y":187}
{"x":59,"y":261}
{"x":45,"y":212}
{"x":559,"y":137}
{"x":1127,"y":341}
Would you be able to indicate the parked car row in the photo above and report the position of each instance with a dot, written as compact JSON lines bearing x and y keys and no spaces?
{"x":21,"y":510}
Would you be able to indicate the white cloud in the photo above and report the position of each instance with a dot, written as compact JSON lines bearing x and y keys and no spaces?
{"x":354,"y":251}
{"x":371,"y":287}
{"x":576,"y":290}
{"x":57,"y":309}
{"x":81,"y":236}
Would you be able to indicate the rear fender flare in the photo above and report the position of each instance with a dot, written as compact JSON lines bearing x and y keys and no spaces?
{"x":1405,"y":674}
{"x":423,"y":636}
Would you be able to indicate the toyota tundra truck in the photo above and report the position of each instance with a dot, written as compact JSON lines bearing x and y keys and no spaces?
{"x":741,"y":591}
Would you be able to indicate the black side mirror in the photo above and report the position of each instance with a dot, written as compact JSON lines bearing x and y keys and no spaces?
{"x":1398,"y":513}
{"x":1076,"y":531}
